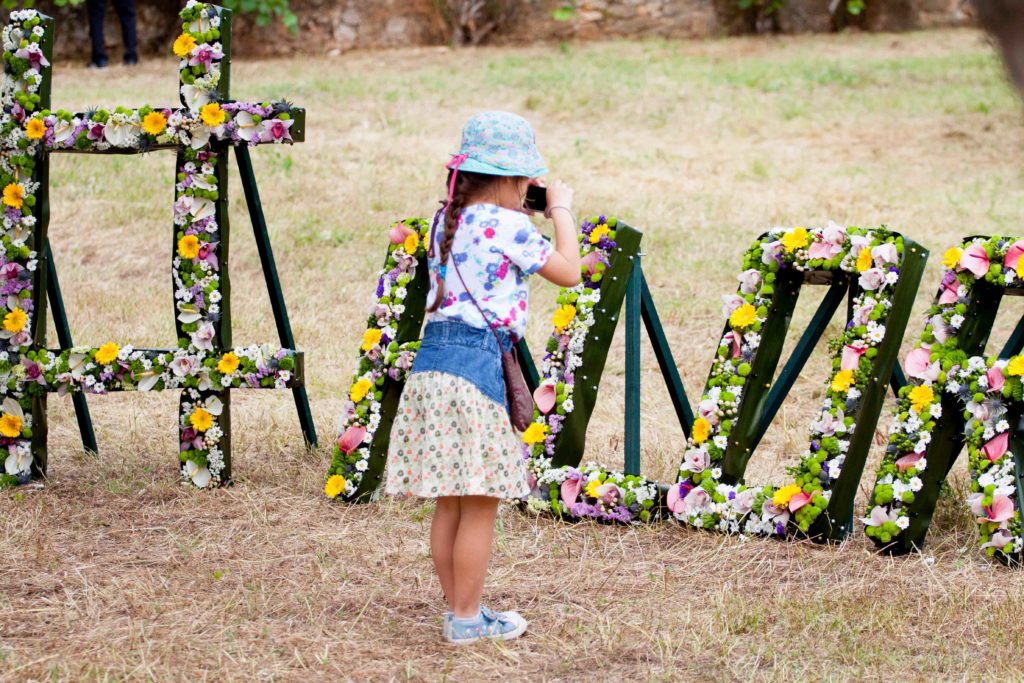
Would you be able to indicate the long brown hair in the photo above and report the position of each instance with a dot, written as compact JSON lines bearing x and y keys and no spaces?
{"x":468,"y":186}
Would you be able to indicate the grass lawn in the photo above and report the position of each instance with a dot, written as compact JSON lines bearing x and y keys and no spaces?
{"x":115,"y":571}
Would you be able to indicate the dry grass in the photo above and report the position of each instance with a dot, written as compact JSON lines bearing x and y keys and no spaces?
{"x":115,"y":572}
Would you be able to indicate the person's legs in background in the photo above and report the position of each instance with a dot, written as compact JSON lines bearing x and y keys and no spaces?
{"x":126,"y":14}
{"x":97,"y":9}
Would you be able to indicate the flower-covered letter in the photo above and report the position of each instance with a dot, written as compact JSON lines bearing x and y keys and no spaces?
{"x":204,"y":366}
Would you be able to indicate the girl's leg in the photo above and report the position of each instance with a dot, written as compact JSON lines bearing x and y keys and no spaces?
{"x":442,"y":541}
{"x":472,"y":552}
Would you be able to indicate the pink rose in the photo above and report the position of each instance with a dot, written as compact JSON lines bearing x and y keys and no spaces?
{"x":871,"y":279}
{"x":885,"y":253}
{"x":918,"y":364}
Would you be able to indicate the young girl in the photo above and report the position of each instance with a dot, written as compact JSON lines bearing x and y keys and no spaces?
{"x":452,"y":439}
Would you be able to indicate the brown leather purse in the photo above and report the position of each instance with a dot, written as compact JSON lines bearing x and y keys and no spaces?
{"x":520,"y":400}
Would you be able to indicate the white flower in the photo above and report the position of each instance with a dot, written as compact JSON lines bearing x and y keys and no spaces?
{"x":902,"y":522}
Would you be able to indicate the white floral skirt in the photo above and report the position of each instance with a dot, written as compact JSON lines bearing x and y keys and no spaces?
{"x":448,"y":439}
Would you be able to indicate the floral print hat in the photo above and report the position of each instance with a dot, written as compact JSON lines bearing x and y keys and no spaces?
{"x":499,"y":143}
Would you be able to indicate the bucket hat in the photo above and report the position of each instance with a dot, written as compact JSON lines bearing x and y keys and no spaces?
{"x":499,"y":143}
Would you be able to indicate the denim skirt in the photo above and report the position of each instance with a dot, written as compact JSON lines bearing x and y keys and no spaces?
{"x":452,"y":435}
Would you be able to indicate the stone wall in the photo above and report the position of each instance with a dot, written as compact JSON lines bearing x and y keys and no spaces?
{"x":332,"y":26}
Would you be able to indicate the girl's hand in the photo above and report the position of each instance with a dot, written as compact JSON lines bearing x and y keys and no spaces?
{"x":560,"y":194}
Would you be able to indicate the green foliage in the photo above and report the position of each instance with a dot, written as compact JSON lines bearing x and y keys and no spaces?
{"x":764,"y":7}
{"x":265,"y":11}
{"x":565,"y":11}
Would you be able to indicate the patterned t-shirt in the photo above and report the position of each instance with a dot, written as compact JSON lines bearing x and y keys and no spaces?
{"x":496,"y":250}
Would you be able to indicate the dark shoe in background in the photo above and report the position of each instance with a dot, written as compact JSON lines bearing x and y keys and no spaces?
{"x":99,"y":64}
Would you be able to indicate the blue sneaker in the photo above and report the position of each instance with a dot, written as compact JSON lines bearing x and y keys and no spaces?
{"x":490,"y":624}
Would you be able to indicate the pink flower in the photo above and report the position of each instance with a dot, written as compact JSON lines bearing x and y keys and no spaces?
{"x":918,"y":364}
{"x":571,"y":491}
{"x":834,"y":233}
{"x":589,"y":261}
{"x":949,"y":293}
{"x":939,"y":328}
{"x":1000,"y":511}
{"x":885,"y":253}
{"x":544,"y":396}
{"x":871,"y":279}
{"x":730,"y":302}
{"x":750,"y":280}
{"x":851,"y":357}
{"x":399,"y":232}
{"x":998,"y":540}
{"x":1013,"y":255}
{"x":975,"y":259}
{"x":609,"y":494}
{"x":997,"y":447}
{"x":799,"y":500}
{"x":995,"y":377}
{"x":676,"y":494}
{"x":276,"y":130}
{"x":734,"y":339}
{"x":770,"y":251}
{"x":907,"y":461}
{"x":696,"y":460}
{"x":823,"y":250}
{"x":743,"y":502}
{"x":879,"y":516}
{"x":707,"y":409}
{"x":697,"y":501}
{"x":350,"y":440}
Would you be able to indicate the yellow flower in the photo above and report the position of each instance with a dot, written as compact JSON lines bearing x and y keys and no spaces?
{"x":744,"y":316}
{"x":10,"y":426}
{"x":334,"y":486}
{"x":360,"y":389}
{"x":154,"y":123}
{"x":921,"y":397}
{"x":591,"y":488}
{"x":843,"y":380}
{"x":864,"y":260}
{"x":952,"y":257}
{"x":1015,"y":367}
{"x":212,"y":115}
{"x":107,"y":354}
{"x":228,"y":363}
{"x":785,"y":494}
{"x":35,"y":129}
{"x":411,"y":244}
{"x":795,"y":239}
{"x":184,"y":45}
{"x":599,"y":231}
{"x":201,"y":420}
{"x":701,"y":430}
{"x":14,"y":195}
{"x":188,"y":246}
{"x":371,"y":338}
{"x":14,"y":321}
{"x":563,"y":316}
{"x":535,"y":433}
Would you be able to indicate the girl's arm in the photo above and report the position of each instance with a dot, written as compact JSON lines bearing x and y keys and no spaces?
{"x":563,"y":266}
